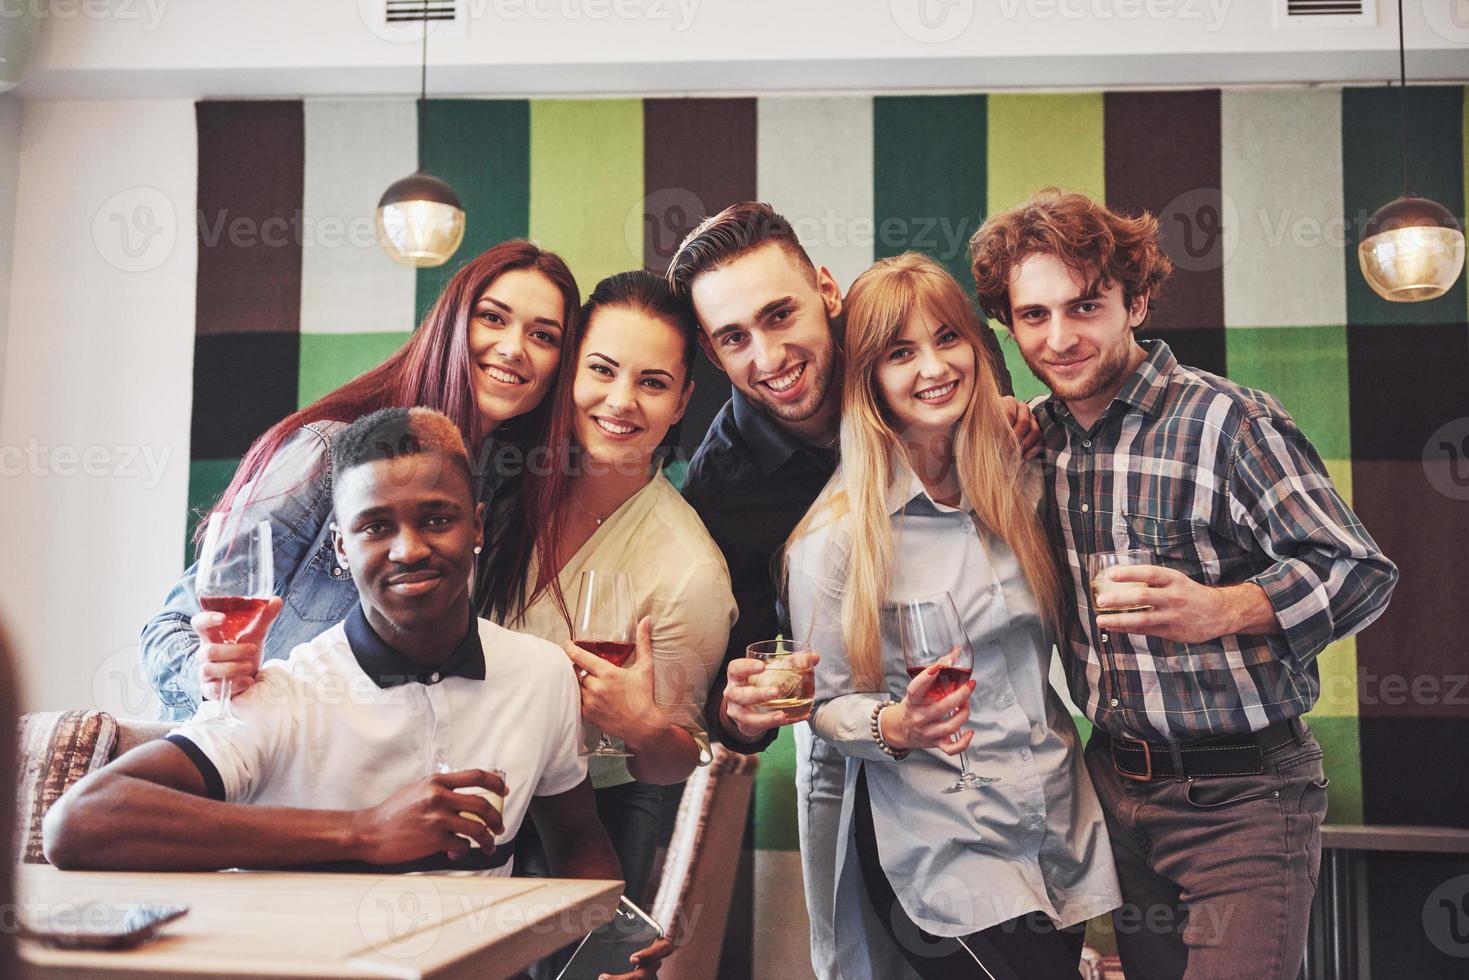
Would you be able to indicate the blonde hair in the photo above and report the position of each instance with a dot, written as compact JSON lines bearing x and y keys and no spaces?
{"x":986,"y":455}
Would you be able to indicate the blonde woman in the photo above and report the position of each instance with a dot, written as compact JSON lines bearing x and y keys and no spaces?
{"x":932,"y":496}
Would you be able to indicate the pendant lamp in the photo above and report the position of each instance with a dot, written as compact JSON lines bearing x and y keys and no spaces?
{"x":420,"y":221}
{"x":1412,"y":248}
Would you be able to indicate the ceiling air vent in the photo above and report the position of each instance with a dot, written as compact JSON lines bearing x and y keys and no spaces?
{"x":414,"y":11}
{"x":403,"y":20}
{"x":1325,"y":13}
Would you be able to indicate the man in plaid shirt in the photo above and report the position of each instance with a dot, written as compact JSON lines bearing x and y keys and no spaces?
{"x":1212,"y":784}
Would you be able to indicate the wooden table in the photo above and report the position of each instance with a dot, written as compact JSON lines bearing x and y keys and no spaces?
{"x":251,"y":924}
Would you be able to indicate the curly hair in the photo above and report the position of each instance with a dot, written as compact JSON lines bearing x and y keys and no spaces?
{"x":1104,"y":247}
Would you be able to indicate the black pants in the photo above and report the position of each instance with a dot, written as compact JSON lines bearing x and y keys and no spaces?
{"x":1028,"y":948}
{"x":630,"y":814}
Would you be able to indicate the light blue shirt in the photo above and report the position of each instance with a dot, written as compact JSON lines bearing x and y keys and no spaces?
{"x":1033,"y":841}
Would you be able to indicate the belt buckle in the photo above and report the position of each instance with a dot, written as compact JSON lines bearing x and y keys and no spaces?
{"x":1147,"y":774}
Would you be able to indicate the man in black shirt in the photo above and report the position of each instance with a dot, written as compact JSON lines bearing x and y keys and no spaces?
{"x":771,"y":320}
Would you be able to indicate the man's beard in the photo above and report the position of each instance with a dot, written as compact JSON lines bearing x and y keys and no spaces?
{"x":820,"y":383}
{"x":1111,"y":365}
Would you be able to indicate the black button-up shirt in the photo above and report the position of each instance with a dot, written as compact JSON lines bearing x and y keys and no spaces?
{"x":751,"y":481}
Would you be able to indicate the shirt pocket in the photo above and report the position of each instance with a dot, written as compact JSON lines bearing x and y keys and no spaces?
{"x":321,"y":591}
{"x":1175,"y":542}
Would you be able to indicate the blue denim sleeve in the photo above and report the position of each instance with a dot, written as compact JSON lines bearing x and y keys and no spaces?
{"x":294,"y":494}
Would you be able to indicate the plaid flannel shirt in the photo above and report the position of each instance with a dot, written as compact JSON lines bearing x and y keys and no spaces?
{"x":1218,"y":482}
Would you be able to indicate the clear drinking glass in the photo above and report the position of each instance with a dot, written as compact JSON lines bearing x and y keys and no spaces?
{"x":930,"y":631}
{"x":1100,"y":567}
{"x":235,"y":576}
{"x":605,"y":624}
{"x":788,"y":677}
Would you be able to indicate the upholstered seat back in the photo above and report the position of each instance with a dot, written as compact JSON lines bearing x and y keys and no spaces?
{"x":698,"y":872}
{"x":57,"y":748}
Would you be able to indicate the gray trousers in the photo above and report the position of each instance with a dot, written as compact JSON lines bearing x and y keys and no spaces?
{"x":1217,"y":873}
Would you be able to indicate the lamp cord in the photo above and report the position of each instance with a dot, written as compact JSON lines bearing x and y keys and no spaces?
{"x":1403,"y":99}
{"x":423,"y":53}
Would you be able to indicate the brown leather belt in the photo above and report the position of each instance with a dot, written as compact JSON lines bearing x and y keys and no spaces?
{"x":1219,"y":755}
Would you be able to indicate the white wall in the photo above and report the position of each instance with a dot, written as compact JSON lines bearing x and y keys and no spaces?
{"x":9,"y":167}
{"x":156,"y":48}
{"x":94,"y":431}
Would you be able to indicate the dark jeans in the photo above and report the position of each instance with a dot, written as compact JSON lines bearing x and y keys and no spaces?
{"x":630,"y":814}
{"x":1217,"y":873}
{"x":1028,"y":948}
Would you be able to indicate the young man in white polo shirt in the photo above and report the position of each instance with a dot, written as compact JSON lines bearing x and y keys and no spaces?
{"x":353,"y":749}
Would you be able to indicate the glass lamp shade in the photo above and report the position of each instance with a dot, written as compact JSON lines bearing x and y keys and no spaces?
{"x":420,"y":221}
{"x":1412,"y":250}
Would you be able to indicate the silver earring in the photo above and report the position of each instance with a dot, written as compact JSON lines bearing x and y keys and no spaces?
{"x":478,"y":549}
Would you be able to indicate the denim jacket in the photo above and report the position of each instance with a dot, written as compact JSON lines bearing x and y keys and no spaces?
{"x":295,"y":495}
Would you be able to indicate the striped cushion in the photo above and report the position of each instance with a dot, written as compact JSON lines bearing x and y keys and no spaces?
{"x":57,"y":748}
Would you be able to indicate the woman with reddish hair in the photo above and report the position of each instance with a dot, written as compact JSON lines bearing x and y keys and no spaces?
{"x":486,"y":355}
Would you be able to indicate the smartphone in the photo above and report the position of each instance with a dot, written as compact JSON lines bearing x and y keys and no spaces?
{"x":97,"y":925}
{"x":607,"y":948}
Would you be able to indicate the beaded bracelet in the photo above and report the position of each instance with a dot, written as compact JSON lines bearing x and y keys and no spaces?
{"x":898,"y":754}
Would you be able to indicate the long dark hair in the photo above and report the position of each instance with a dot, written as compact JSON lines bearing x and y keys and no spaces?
{"x":433,"y":368}
{"x":505,"y":591}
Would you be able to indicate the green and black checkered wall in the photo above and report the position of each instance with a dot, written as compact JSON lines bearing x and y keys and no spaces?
{"x":1262,"y":195}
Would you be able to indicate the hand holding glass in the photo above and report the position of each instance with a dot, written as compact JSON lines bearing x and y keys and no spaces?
{"x":931,"y":632}
{"x":606,"y":625}
{"x":235,"y":576}
{"x":786,"y":678}
{"x":496,"y":800}
{"x":1100,"y":568}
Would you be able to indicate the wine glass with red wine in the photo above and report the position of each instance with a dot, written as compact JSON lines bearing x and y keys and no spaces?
{"x":931,"y":632}
{"x":605,"y":624}
{"x":235,"y":576}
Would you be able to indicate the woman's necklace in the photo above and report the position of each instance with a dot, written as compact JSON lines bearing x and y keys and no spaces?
{"x":587,"y":511}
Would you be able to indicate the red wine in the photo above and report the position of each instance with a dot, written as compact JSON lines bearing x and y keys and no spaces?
{"x":612,"y":651}
{"x":949,"y":680}
{"x":240,"y":614}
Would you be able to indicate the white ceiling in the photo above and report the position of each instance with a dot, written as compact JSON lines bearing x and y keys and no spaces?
{"x":289,"y":48}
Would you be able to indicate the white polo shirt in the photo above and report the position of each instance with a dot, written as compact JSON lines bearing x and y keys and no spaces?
{"x":346,"y":721}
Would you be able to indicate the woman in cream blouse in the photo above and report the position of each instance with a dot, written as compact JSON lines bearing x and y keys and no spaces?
{"x":932,"y":496}
{"x":599,"y":501}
